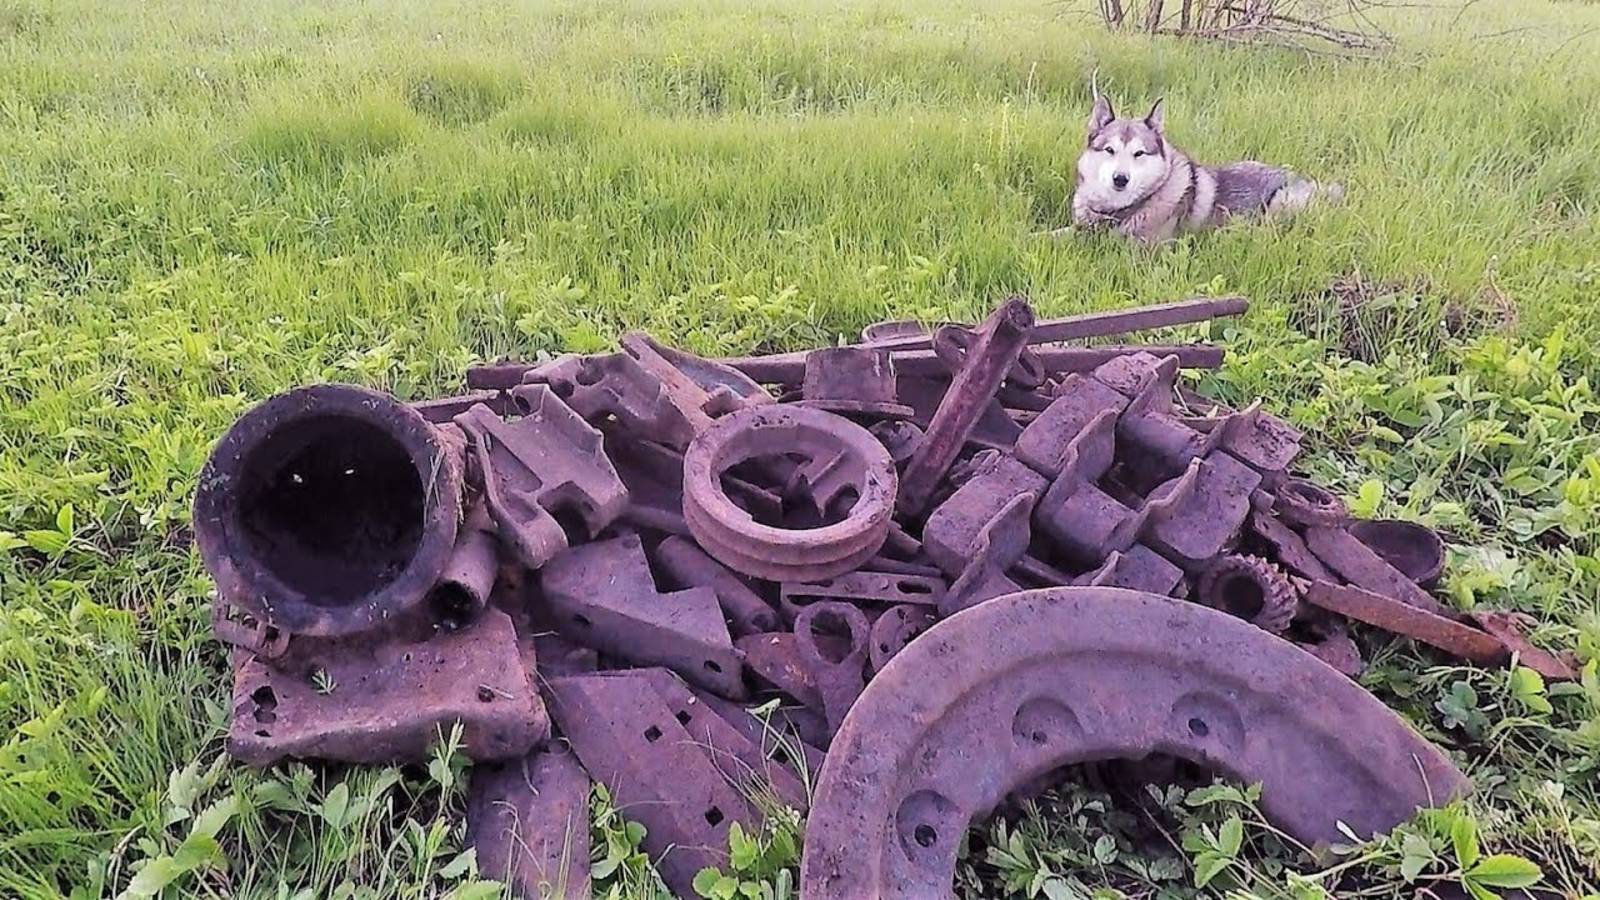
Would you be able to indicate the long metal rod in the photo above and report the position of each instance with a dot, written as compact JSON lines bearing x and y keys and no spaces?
{"x":1104,"y":324}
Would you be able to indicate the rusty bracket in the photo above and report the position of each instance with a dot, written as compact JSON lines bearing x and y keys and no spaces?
{"x":603,"y":596}
{"x":775,"y":659}
{"x":543,"y":474}
{"x":1506,"y":627}
{"x":232,"y":625}
{"x":1000,"y":543}
{"x":1138,"y":568}
{"x":949,"y":727}
{"x":1000,"y":341}
{"x":882,"y":588}
{"x":1199,"y":514}
{"x":833,"y":639}
{"x":528,"y":819}
{"x":1080,"y":401}
{"x":384,"y":699}
{"x":951,"y":533}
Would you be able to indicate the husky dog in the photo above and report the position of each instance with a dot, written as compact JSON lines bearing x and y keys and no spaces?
{"x":1132,"y":180}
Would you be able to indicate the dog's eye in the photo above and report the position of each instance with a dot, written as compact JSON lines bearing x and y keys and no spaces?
{"x":1108,"y":150}
{"x":1138,"y":153}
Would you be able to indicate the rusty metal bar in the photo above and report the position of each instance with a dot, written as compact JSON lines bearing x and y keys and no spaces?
{"x":1401,"y":618}
{"x":999,"y":342}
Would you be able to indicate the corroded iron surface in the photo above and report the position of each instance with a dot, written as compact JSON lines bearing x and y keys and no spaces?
{"x":949,"y":727}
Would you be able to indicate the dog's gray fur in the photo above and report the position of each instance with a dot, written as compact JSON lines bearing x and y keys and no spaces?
{"x":1133,"y":180}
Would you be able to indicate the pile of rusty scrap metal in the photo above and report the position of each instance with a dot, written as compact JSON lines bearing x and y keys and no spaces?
{"x":959,"y":559}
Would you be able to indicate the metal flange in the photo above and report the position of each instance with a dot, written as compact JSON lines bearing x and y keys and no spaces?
{"x":950,"y":726}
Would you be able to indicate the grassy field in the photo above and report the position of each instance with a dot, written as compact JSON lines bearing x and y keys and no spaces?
{"x":202,"y":204}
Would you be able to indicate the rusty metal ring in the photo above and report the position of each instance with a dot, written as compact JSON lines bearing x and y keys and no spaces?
{"x":1306,"y":504}
{"x":950,"y":726}
{"x":1250,"y":588}
{"x":735,"y":538}
{"x":328,"y":510}
{"x":951,"y":343}
{"x":1415,"y":549}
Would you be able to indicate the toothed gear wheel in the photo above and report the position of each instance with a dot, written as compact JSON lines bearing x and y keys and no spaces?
{"x":1252,"y":589}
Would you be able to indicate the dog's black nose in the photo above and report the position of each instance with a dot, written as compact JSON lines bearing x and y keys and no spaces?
{"x":1119,"y":181}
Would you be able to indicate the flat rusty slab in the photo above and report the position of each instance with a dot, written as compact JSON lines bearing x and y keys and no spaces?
{"x":543,"y":474}
{"x":373,"y":699}
{"x":602,"y":595}
{"x":949,"y":727}
{"x":630,"y":740}
{"x":528,"y":820}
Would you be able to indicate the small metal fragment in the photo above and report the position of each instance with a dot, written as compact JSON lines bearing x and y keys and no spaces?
{"x":1415,"y":550}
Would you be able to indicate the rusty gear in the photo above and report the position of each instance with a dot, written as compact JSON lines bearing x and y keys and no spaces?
{"x":1250,"y":588}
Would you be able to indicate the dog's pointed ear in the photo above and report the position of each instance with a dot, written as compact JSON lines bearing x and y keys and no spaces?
{"x":1102,"y":113}
{"x":1157,"y":119}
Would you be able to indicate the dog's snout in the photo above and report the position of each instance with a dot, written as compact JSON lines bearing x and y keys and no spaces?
{"x":1119,"y":181}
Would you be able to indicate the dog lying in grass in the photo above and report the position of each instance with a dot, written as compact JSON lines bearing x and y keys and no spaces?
{"x":1133,"y":180}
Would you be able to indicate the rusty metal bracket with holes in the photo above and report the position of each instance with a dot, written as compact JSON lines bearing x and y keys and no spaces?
{"x":842,"y":466}
{"x":528,"y":820}
{"x":543,"y":475}
{"x":603,"y":596}
{"x":949,"y":727}
{"x":893,"y":630}
{"x":861,"y":586}
{"x":329,"y":510}
{"x":384,"y":699}
{"x":630,"y":739}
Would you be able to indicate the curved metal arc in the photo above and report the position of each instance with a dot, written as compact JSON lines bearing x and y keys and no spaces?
{"x":1019,"y":685}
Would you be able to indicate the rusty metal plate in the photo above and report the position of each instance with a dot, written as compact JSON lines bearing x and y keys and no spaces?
{"x":529,"y":821}
{"x":602,"y":595}
{"x":328,"y":510}
{"x":546,"y":478}
{"x":844,"y":470}
{"x":1199,"y":514}
{"x":630,"y":739}
{"x":386,"y":699}
{"x":890,"y":588}
{"x":950,"y":726}
{"x":951,"y":533}
{"x":747,"y":613}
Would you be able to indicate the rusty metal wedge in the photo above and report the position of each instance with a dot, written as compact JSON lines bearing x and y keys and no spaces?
{"x":949,"y":726}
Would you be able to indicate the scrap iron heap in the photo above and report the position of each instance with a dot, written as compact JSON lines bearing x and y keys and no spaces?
{"x":961,"y":559}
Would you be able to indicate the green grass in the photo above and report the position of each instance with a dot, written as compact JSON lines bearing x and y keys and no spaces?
{"x":201,"y":205}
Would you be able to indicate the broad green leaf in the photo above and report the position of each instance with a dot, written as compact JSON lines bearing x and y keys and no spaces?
{"x":1230,"y":837}
{"x":64,"y":520}
{"x":705,"y":881}
{"x":50,"y":543}
{"x":336,"y":805}
{"x":1505,"y":870}
{"x":209,"y":823}
{"x":1207,"y":867}
{"x":1215,"y":793}
{"x":152,"y":879}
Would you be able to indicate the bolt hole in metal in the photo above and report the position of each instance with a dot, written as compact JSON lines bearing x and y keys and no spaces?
{"x":1198,"y":727}
{"x":925,"y":836}
{"x":332,"y":506}
{"x":485,"y":694}
{"x":714,"y":817}
{"x":652,"y":734}
{"x":266,"y":702}
{"x":714,"y":666}
{"x":914,"y":587}
{"x":683,"y":717}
